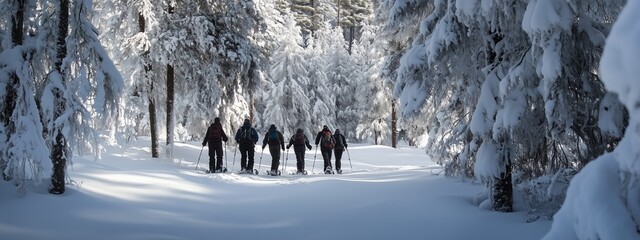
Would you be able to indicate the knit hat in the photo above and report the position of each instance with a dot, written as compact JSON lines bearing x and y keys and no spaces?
{"x":216,"y":120}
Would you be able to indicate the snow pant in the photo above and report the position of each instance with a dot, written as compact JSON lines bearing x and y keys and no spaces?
{"x":215,"y":156}
{"x":326,"y":155}
{"x":338,"y":152}
{"x":246,"y":150}
{"x":299,"y":150}
{"x":275,"y":156}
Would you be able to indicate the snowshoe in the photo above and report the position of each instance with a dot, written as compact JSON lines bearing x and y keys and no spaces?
{"x":255,"y":171}
{"x":328,"y":170}
{"x":339,"y":171}
{"x":301,"y":172}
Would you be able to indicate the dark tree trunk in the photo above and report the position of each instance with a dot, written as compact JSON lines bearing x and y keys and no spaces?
{"x":503,"y":186}
{"x":170,"y":100}
{"x":17,"y":26}
{"x":170,"y":110}
{"x":58,"y":151}
{"x":251,"y":105}
{"x":394,"y":125}
{"x":153,"y":123}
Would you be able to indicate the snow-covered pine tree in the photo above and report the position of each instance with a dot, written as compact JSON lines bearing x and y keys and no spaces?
{"x":340,"y":66}
{"x":83,"y":78}
{"x":352,"y":15}
{"x":287,"y":103}
{"x":321,"y":99}
{"x":373,"y":97}
{"x":24,"y":156}
{"x":602,"y":200}
{"x":518,"y":57}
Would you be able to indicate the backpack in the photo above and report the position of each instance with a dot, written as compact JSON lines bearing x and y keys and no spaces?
{"x":298,"y":139}
{"x":245,"y":136}
{"x":216,"y":132}
{"x":273,"y":137}
{"x":327,"y":142}
{"x":339,"y":142}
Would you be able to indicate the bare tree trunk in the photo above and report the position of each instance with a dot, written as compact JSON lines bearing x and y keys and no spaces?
{"x":59,"y":149}
{"x":17,"y":26}
{"x":394,"y":125}
{"x":502,"y":186}
{"x":251,"y":105}
{"x":170,"y":110}
{"x":153,"y":124}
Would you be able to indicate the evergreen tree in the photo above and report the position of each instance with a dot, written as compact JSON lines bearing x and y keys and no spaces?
{"x":321,"y":99}
{"x":510,"y":58}
{"x":287,"y":102}
{"x":372,"y":95}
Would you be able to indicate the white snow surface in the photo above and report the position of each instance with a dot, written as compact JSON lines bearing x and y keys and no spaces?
{"x":390,"y":194}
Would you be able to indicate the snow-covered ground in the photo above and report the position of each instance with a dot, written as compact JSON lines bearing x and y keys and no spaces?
{"x":390,"y":194}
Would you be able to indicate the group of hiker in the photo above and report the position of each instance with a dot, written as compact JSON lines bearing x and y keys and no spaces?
{"x":247,"y":138}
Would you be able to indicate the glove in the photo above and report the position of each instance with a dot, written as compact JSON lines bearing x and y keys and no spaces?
{"x":263,"y":146}
{"x":282,"y":148}
{"x":288,"y":147}
{"x":309,"y":147}
{"x":204,"y":144}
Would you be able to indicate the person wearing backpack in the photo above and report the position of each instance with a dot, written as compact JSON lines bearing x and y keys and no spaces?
{"x":327,"y":143}
{"x":246,"y":137}
{"x":214,"y":137}
{"x":341,"y":145}
{"x":299,"y":141}
{"x":275,"y":140}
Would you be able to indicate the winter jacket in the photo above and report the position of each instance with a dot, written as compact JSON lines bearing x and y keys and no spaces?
{"x":253,"y":138}
{"x":272,"y":143}
{"x":212,"y":140}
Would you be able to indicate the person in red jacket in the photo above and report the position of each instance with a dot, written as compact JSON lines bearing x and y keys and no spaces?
{"x":214,"y":137}
{"x":327,"y":142}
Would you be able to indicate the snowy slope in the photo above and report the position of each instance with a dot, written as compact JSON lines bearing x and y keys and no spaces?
{"x":391,"y":194}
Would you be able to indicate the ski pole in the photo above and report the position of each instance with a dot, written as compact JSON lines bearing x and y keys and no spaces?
{"x":314,"y":159}
{"x":199,"y":157}
{"x":226,"y":159}
{"x":260,"y":165}
{"x":285,"y":160}
{"x":349,"y":155}
{"x":233,"y":165}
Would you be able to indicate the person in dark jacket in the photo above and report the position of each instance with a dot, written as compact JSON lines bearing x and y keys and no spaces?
{"x":299,"y":141}
{"x":326,"y":141}
{"x":214,"y":137}
{"x":275,"y":140}
{"x":341,"y":145}
{"x":246,"y":137}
